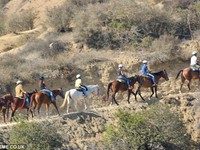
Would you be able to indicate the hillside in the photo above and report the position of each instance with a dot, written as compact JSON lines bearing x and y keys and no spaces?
{"x":26,"y":55}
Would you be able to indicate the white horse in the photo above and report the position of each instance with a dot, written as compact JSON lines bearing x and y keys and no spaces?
{"x":74,"y":95}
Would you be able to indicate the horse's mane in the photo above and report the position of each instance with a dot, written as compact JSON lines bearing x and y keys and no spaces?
{"x":157,"y":73}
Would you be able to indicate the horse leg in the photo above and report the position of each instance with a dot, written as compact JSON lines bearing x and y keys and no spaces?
{"x":7,"y":112}
{"x":182,"y":82}
{"x":139,"y":92}
{"x":31,"y":113}
{"x":68,"y":104}
{"x":113,"y":98}
{"x":27,"y":113}
{"x":129,"y":93}
{"x":134,"y":95}
{"x":54,"y":103}
{"x":76,"y":105}
{"x":38,"y":108}
{"x":156,"y":91}
{"x":189,"y":85}
{"x":85,"y":103}
{"x":13,"y":113}
{"x":47,"y":109}
{"x":4,"y":115}
{"x":152,"y":92}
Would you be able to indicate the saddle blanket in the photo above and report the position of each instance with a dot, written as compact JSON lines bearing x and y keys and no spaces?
{"x":121,"y":80}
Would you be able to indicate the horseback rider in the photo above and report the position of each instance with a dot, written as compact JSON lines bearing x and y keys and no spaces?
{"x":194,"y":62}
{"x":121,"y":75}
{"x":20,"y":92}
{"x":42,"y":83}
{"x":78,"y":84}
{"x":145,"y":72}
{"x":42,"y":86}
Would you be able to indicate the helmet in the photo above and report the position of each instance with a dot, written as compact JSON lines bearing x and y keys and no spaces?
{"x":195,"y":52}
{"x":78,"y":76}
{"x":144,"y":61}
{"x":120,"y":65}
{"x":18,"y":82}
{"x":41,"y":78}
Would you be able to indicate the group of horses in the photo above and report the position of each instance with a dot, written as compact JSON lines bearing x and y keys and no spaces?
{"x":146,"y":82}
{"x":37,"y":98}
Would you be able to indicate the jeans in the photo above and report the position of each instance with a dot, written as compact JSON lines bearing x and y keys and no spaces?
{"x":125,"y":78}
{"x":152,"y":77}
{"x":50,"y":93}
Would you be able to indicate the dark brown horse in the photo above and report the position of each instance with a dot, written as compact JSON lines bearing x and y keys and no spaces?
{"x":5,"y":101}
{"x":188,"y":74}
{"x":42,"y":97}
{"x":20,"y":103}
{"x":118,"y":85}
{"x":148,"y":83}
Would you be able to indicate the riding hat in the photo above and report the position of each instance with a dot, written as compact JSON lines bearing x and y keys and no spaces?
{"x":195,"y":52}
{"x":18,"y":82}
{"x":78,"y":76}
{"x":144,"y":61}
{"x":120,"y":65}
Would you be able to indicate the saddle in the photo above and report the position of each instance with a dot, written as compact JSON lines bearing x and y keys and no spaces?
{"x":121,"y":80}
{"x":24,"y":101}
{"x":79,"y":89}
{"x":195,"y":69}
{"x":45,"y":92}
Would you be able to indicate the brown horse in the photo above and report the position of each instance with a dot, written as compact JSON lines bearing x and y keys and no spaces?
{"x":148,"y":83}
{"x":188,"y":74}
{"x":118,"y":85}
{"x":20,"y":103}
{"x":5,"y":101}
{"x":42,"y":97}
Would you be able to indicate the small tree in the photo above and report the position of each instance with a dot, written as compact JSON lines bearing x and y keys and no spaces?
{"x":151,"y":128}
{"x":35,"y":136}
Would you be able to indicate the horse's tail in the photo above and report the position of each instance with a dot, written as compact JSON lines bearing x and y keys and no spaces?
{"x":179,"y":74}
{"x":108,"y":89}
{"x":65,"y":99}
{"x":32,"y":101}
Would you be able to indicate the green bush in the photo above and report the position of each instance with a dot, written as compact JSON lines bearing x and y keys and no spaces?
{"x":155,"y":127}
{"x":35,"y":136}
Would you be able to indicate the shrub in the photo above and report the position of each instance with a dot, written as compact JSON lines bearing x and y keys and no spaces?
{"x":148,"y":129}
{"x":35,"y":136}
{"x":22,"y":21}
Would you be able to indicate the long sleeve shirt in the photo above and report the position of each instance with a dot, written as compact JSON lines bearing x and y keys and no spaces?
{"x":144,"y":69}
{"x":193,"y":60}
{"x":19,"y":90}
{"x":78,"y":83}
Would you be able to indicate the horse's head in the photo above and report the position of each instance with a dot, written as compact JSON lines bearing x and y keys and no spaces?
{"x":9,"y":98}
{"x":135,"y":79}
{"x":164,"y":75}
{"x":94,"y":88}
{"x":59,"y":92}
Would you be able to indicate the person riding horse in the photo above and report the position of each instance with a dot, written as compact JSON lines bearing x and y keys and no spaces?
{"x":42,"y":86}
{"x":194,"y":62}
{"x":20,"y":92}
{"x":145,"y":72}
{"x":79,"y":86}
{"x":121,"y":75}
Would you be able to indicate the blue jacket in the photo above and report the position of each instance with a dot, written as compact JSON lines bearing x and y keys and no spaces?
{"x":144,"y":69}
